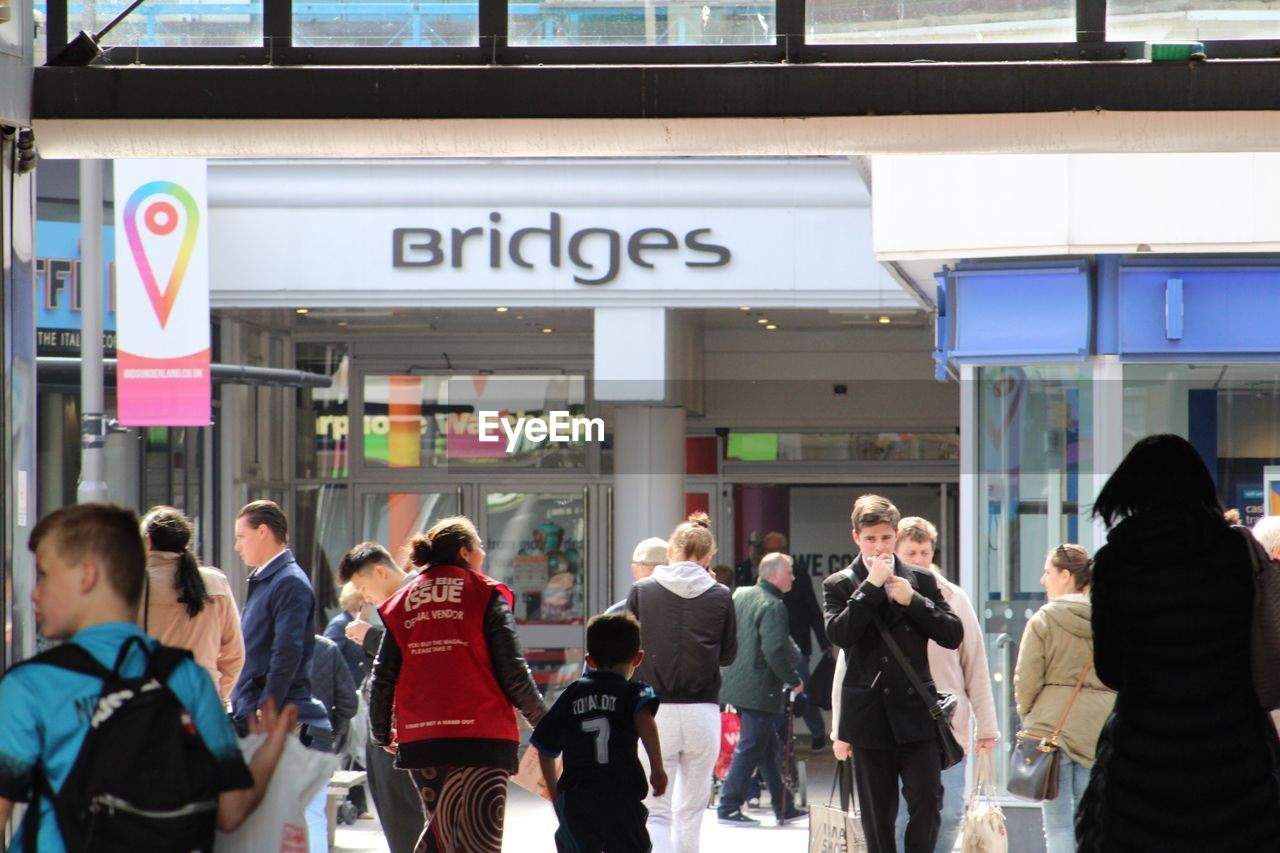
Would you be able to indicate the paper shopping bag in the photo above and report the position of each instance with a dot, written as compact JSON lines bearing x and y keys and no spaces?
{"x":529,"y":773}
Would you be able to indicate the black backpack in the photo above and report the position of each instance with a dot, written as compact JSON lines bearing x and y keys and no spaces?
{"x":144,"y":778}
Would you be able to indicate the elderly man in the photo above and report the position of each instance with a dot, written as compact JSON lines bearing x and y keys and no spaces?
{"x":647,"y":556}
{"x":756,"y":684}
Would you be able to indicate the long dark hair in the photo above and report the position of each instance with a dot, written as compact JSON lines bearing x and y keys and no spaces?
{"x":170,"y":531}
{"x":1160,"y":471}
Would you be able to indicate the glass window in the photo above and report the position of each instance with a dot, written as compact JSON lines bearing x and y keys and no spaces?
{"x":364,"y":23}
{"x":394,"y":518}
{"x":536,"y":547}
{"x":320,"y":533}
{"x":1035,"y":450}
{"x":842,"y":447}
{"x":196,"y":24}
{"x":1231,"y":413}
{"x":1165,"y":20}
{"x":323,"y":424}
{"x":940,"y":21}
{"x":434,"y":421}
{"x":627,"y":22}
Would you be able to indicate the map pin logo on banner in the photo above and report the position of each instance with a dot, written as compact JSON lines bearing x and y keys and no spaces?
{"x":151,"y":207}
{"x":162,"y":293}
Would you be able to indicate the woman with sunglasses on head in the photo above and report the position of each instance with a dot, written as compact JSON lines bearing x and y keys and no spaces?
{"x":1056,"y":653}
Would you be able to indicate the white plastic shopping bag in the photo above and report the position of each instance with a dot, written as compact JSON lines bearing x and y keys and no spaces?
{"x":279,"y":824}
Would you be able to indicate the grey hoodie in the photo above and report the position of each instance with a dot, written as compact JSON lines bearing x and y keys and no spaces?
{"x":1055,"y":646}
{"x":687,"y":629}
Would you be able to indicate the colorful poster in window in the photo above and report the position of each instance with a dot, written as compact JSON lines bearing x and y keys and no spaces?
{"x":162,"y":292}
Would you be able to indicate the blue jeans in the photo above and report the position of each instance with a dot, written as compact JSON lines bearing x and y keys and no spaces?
{"x":757,"y":747}
{"x":953,"y":803}
{"x":1059,"y":813}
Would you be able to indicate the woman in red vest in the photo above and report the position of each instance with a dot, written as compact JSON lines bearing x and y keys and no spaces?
{"x":448,"y":673}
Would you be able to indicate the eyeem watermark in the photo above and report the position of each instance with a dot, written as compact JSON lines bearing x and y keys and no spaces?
{"x":559,"y":426}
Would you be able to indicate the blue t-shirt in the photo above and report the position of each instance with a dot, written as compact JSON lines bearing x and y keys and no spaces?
{"x":45,"y":712}
{"x":594,"y":724}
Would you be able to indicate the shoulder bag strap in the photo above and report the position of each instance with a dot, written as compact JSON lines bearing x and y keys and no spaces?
{"x":1053,"y":738}
{"x":912,"y":676}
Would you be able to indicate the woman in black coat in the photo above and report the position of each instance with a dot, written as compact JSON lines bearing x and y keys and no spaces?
{"x":1187,"y":761}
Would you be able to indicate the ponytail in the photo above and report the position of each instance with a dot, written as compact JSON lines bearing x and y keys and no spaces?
{"x":170,"y":531}
{"x":443,"y":543}
{"x":190,"y":584}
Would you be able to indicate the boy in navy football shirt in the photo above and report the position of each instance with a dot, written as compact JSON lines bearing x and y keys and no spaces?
{"x":596,"y":723}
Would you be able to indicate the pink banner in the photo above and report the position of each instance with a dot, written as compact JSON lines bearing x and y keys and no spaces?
{"x":178,"y":387}
{"x":162,"y":296}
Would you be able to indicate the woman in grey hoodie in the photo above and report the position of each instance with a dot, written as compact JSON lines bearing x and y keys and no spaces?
{"x":688,"y":631}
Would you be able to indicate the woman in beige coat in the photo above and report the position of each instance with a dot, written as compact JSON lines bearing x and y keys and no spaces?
{"x":188,"y":605}
{"x":1056,"y":646}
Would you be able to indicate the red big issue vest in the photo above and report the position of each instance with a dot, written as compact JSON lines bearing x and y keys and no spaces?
{"x":447,"y":688}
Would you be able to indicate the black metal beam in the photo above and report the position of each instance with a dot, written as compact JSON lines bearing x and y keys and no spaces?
{"x":764,"y":90}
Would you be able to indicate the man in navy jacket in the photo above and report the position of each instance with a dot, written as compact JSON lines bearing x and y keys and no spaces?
{"x":278,"y":623}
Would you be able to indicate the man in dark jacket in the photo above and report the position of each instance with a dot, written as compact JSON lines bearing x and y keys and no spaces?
{"x":370,"y":569}
{"x":756,"y":684}
{"x":278,"y":625}
{"x":278,"y":621}
{"x":886,"y":722}
{"x":331,"y":683}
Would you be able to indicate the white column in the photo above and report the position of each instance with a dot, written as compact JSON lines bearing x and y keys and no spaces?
{"x":1108,"y":437}
{"x":634,"y":371}
{"x":648,"y":481}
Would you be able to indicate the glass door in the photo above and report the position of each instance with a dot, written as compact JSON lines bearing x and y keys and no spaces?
{"x":540,"y":543}
{"x":392,"y":515}
{"x":1034,"y":439}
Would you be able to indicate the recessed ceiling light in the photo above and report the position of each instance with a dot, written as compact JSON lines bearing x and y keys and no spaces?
{"x":885,"y":319}
{"x":745,"y":308}
{"x":771,"y":327}
{"x":501,"y":309}
{"x":763,"y":320}
{"x":342,"y":324}
{"x":547,"y":330}
{"x":301,"y":310}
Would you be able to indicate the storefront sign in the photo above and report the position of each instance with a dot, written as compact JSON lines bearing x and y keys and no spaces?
{"x":162,"y":292}
{"x":1251,"y":505}
{"x":563,"y":233}
{"x":58,"y":289}
{"x":596,"y":253}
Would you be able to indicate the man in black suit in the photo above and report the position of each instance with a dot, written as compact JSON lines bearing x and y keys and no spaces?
{"x":881,"y":716}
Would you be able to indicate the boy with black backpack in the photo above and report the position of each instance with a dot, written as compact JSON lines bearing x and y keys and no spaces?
{"x":115,"y":742}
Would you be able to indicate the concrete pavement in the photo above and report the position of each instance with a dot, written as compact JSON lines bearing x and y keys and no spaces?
{"x":531,"y":824}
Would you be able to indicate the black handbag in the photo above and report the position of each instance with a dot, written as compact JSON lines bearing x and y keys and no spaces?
{"x":1034,"y":762}
{"x":942,"y":710}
